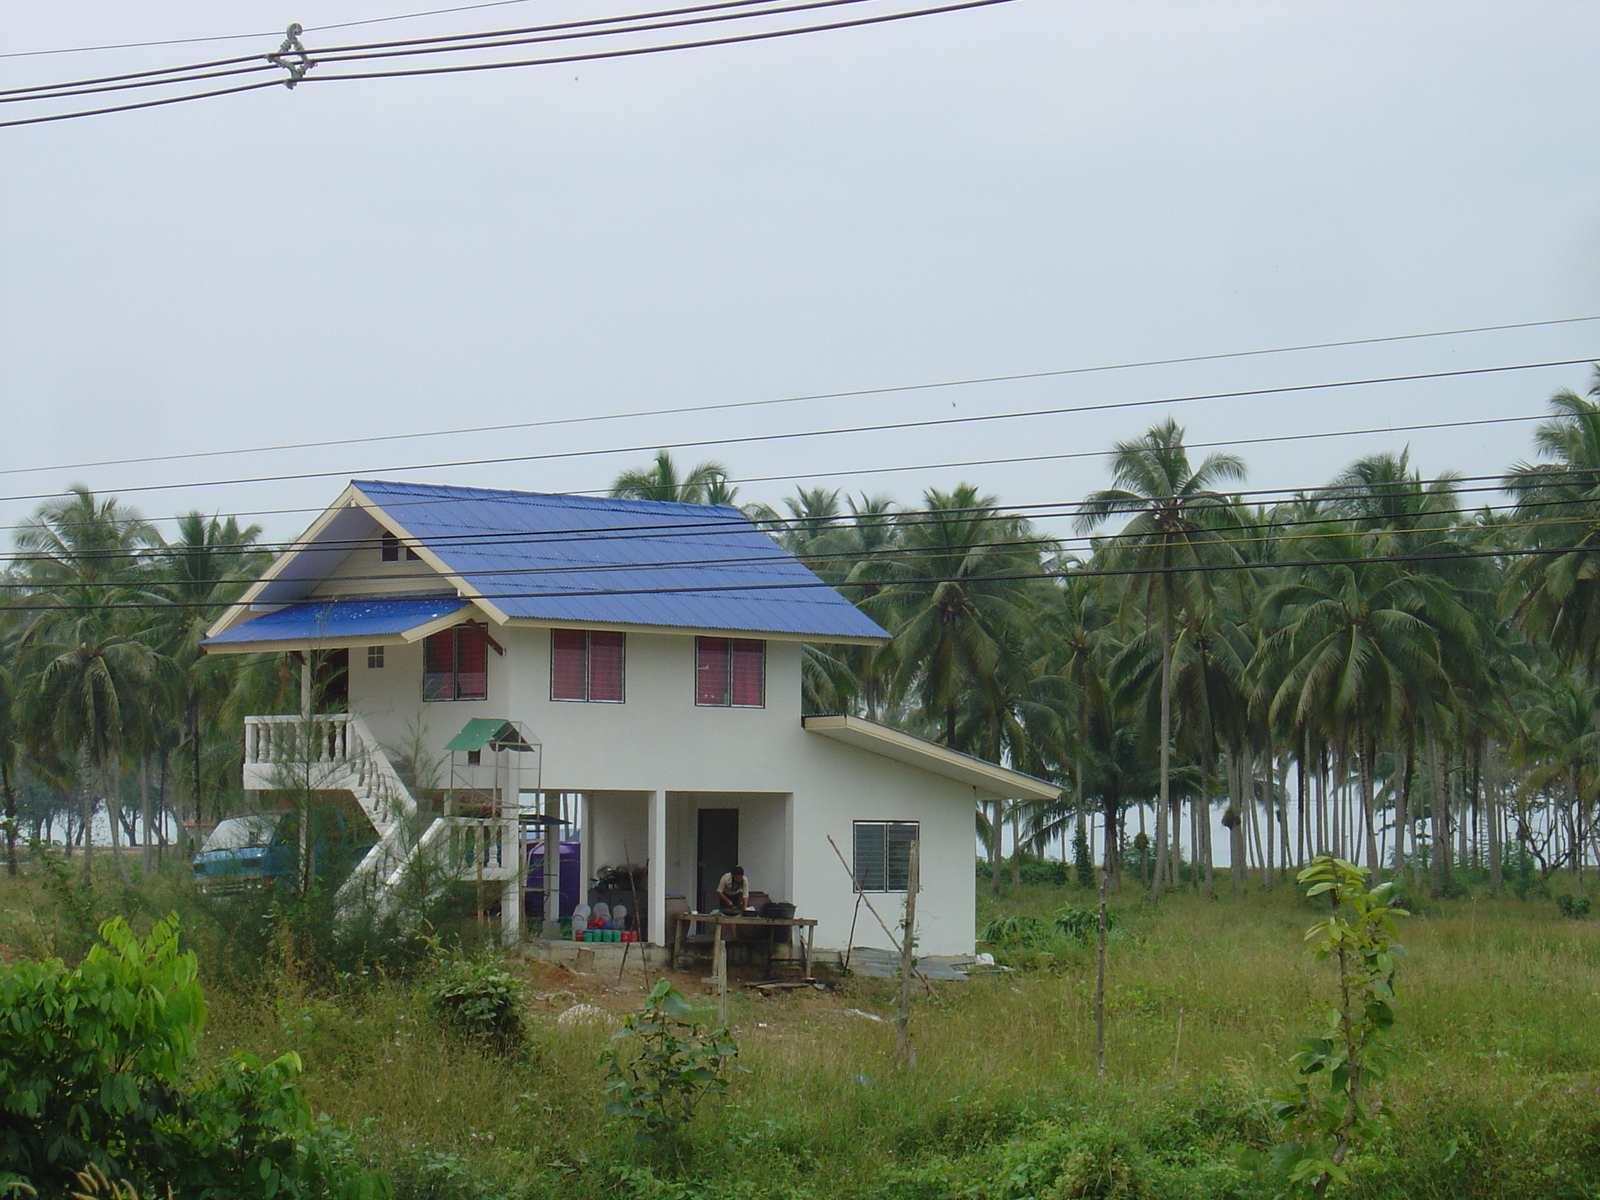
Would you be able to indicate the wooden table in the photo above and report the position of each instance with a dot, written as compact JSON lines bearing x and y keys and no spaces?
{"x":684,"y":920}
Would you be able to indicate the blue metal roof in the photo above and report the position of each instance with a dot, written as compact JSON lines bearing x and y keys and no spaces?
{"x":621,"y":562}
{"x":318,"y":620}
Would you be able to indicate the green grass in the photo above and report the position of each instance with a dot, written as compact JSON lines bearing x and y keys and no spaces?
{"x":1498,"y":1093}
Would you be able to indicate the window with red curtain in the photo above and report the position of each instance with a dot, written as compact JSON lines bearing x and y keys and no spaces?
{"x":711,"y":671}
{"x":605,"y":666}
{"x":569,"y":664}
{"x":439,"y":666}
{"x":730,"y":672}
{"x":455,"y":664}
{"x":749,"y":674}
{"x":586,"y":664}
{"x":472,"y":662}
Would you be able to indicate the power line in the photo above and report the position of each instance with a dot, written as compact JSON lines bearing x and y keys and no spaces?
{"x":1494,"y":480}
{"x":849,"y":394}
{"x":236,"y":37}
{"x":1072,"y":572}
{"x":96,"y":112}
{"x":562,"y":59}
{"x":938,"y":422}
{"x":1344,"y":524}
{"x":594,"y":27}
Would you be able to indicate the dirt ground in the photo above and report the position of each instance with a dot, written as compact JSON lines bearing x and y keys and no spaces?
{"x":555,"y":989}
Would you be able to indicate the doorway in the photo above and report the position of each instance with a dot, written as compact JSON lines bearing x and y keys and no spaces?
{"x":330,"y":680}
{"x":717,"y":853}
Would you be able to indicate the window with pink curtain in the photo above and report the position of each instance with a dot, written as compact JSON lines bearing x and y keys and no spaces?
{"x":586,"y":664}
{"x":730,"y":672}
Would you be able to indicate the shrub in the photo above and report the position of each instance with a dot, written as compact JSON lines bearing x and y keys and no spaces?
{"x":481,"y":1000}
{"x":1082,"y":925}
{"x":674,"y":1063}
{"x":1017,"y":933}
{"x":1575,"y":907}
{"x":93,"y":1066}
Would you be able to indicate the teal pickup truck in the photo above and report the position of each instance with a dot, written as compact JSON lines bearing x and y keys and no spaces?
{"x":258,"y":850}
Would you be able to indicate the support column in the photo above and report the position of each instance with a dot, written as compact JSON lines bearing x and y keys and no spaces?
{"x":585,"y":845}
{"x":656,"y":883}
{"x":514,"y":862}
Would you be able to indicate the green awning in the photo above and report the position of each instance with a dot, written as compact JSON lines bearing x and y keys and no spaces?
{"x":495,"y":732}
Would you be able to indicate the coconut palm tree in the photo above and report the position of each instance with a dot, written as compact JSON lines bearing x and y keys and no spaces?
{"x":954,"y":599}
{"x":1359,"y":646}
{"x":1173,"y":513}
{"x":704,"y":483}
{"x":85,"y":656}
{"x":10,"y":744}
{"x":205,"y":567}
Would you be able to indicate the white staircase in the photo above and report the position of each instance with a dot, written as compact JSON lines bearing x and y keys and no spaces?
{"x":337,"y":752}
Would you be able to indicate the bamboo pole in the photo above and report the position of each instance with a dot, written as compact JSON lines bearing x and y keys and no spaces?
{"x":882,"y":924}
{"x":908,"y":1053}
{"x":719,"y":972}
{"x":1100,"y":987}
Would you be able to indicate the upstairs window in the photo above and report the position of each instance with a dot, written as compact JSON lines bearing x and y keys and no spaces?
{"x":390,"y":551}
{"x":455,"y":664}
{"x":730,"y":672}
{"x":586,"y":664}
{"x":883,"y":854}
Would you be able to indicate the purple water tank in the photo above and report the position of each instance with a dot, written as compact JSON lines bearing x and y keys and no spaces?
{"x":571,"y":885}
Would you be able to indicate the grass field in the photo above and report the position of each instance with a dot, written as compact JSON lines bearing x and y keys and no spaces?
{"x":1497,"y":1094}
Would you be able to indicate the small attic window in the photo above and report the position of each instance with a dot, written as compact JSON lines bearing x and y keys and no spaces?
{"x":390,"y":551}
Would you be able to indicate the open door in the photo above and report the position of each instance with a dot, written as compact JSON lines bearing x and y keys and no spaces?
{"x":718,"y":852}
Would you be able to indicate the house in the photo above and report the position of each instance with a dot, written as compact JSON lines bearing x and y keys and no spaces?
{"x":642,"y":657}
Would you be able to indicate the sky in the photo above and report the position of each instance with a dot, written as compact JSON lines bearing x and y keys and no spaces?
{"x":1031,"y":187}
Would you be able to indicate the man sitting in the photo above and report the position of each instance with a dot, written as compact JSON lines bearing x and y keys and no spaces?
{"x":732,"y":892}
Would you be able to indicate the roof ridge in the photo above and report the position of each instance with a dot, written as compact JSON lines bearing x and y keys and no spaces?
{"x":569,"y":498}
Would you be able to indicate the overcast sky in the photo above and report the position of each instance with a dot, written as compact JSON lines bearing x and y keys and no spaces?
{"x":1030,"y":187}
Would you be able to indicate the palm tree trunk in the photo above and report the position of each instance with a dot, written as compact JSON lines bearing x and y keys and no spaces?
{"x":1282,"y":813}
{"x":1439,"y":826}
{"x":1491,"y":789}
{"x":1320,"y":816}
{"x":11,"y":816}
{"x":995,"y":826}
{"x":1111,"y":838}
{"x":1016,"y":846}
{"x":144,"y":813}
{"x":1165,"y":797}
{"x":1367,"y":751}
{"x":1302,"y":783}
{"x":114,"y":816}
{"x":1269,"y":878}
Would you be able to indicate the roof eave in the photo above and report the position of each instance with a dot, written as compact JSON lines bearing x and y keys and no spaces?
{"x":988,"y":778}
{"x":702,"y":630}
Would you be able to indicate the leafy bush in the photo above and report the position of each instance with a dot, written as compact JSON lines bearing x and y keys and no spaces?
{"x":1082,"y":925}
{"x":1575,"y":907}
{"x":673,"y":1064}
{"x":481,"y":1000}
{"x":1082,"y":862}
{"x":1079,"y":925}
{"x":93,"y":1065}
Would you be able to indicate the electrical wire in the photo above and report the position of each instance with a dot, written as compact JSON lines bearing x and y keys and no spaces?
{"x":1072,"y":572}
{"x":235,"y":37}
{"x":781,"y":400}
{"x":880,"y":427}
{"x":1494,"y":482}
{"x":1332,"y":524}
{"x":561,"y":59}
{"x":728,"y":10}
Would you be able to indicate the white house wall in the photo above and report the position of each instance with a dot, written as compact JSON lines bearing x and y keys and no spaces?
{"x":659,"y":742}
